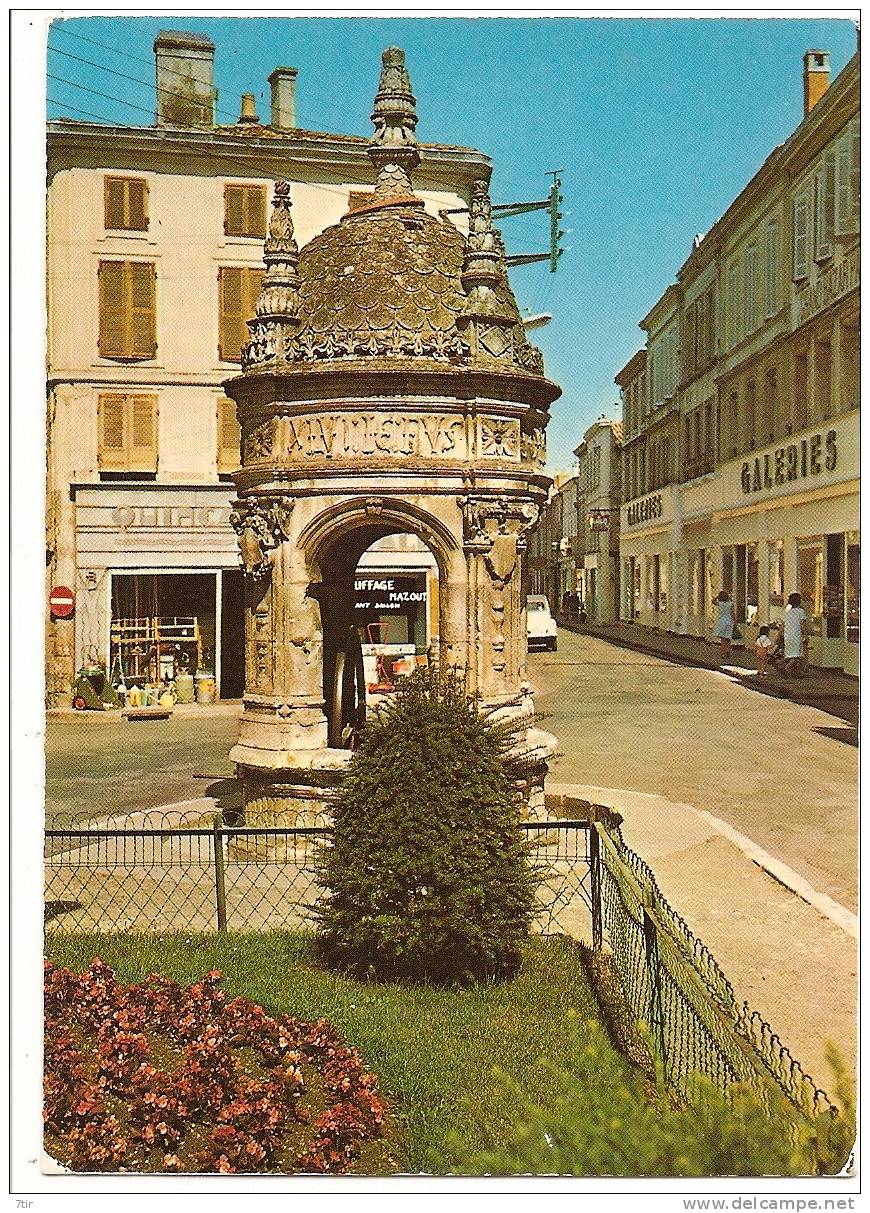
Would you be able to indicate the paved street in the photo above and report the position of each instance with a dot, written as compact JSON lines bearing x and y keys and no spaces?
{"x":702,"y":768}
{"x":98,"y":765}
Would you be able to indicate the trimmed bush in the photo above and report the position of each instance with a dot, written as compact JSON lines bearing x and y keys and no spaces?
{"x":428,"y":878}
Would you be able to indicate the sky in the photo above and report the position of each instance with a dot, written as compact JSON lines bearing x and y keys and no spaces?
{"x":656,"y":123}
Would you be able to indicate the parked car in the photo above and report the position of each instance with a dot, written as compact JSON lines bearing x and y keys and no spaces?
{"x":540,"y":624}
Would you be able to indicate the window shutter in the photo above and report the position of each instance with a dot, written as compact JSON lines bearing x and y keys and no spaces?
{"x":111,"y":279}
{"x":255,"y":197}
{"x":734,"y":312}
{"x":142,"y":322}
{"x":142,"y":450}
{"x":113,"y":197}
{"x":137,"y":215}
{"x":771,"y":269}
{"x":750,"y":289}
{"x":844,"y":219}
{"x":233,"y":210}
{"x":823,"y":231}
{"x":855,"y":173}
{"x":801,"y":236}
{"x":230,"y":348}
{"x":111,"y":433}
{"x":252,"y":282}
{"x":229,"y":436}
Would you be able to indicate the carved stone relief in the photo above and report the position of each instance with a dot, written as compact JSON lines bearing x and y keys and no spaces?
{"x":261,"y":524}
{"x":534,"y":447}
{"x":500,"y":438}
{"x":341,"y":436}
{"x":259,"y":442}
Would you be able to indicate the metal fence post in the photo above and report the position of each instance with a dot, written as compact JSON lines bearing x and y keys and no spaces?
{"x":595,"y":885}
{"x":653,"y":968}
{"x":220,"y":887}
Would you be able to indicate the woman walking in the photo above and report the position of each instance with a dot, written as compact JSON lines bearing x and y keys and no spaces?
{"x":794,"y":633}
{"x":726,"y":618}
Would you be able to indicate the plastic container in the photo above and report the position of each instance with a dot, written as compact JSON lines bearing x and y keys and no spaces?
{"x":205,"y":687}
{"x":184,"y":688}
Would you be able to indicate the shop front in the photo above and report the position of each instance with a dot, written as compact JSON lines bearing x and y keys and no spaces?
{"x":646,"y":546}
{"x":159,"y":588}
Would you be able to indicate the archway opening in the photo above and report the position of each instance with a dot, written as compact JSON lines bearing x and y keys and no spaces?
{"x":381,"y":608}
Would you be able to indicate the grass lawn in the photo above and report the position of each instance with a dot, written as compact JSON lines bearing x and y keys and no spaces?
{"x":433,"y":1050}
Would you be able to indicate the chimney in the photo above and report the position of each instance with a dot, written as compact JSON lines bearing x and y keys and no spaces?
{"x":283,"y":82}
{"x":249,"y":110}
{"x":185,"y":79}
{"x":817,"y":75}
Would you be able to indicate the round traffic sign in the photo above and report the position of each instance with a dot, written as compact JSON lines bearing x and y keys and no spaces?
{"x":62,"y":601}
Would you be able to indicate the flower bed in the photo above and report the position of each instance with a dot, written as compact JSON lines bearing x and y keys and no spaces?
{"x":154,"y":1077}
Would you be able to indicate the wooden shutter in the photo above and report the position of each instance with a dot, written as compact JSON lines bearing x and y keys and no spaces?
{"x":844,"y":219}
{"x":801,"y":236}
{"x":855,"y":173}
{"x":233,"y":210}
{"x":125,"y":204}
{"x":142,"y":428}
{"x":142,"y":323}
{"x":112,"y":433}
{"x":112,"y":324}
{"x":239,"y":288}
{"x":750,"y":289}
{"x":822,"y":226}
{"x":771,"y":269}
{"x":255,"y":210}
{"x":229,"y":436}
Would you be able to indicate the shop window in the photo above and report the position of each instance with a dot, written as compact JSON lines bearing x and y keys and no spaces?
{"x":125,"y":204}
{"x":128,"y":322}
{"x":853,"y":587}
{"x":127,"y":428}
{"x":229,"y":437}
{"x":834,"y":595}
{"x":245,"y":210}
{"x":776,"y":574}
{"x":810,"y":581}
{"x":752,"y":603}
{"x":850,"y":363}
{"x":238,"y":290}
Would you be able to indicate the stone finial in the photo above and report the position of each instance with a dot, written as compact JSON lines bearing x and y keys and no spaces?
{"x":483,"y":268}
{"x":279,"y":294}
{"x":393,"y":148}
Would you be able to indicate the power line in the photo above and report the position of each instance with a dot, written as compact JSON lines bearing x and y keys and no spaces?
{"x":106,"y":96}
{"x":76,"y":110}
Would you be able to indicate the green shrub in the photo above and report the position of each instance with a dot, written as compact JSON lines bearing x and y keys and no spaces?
{"x":611,"y":1128}
{"x":428,"y":878}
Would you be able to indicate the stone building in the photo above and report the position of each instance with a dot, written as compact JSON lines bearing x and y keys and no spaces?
{"x":598,"y":500}
{"x":155,"y":240}
{"x":387,"y":388}
{"x":552,"y":544}
{"x":741,"y":457}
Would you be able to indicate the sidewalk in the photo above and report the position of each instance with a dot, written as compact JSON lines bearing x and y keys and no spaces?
{"x":830,"y":691}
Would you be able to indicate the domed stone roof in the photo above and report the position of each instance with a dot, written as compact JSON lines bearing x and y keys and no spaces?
{"x":389,"y":281}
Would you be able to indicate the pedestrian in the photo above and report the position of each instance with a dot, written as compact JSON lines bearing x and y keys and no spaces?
{"x":795,"y":632}
{"x":726,"y":618}
{"x":574,"y":606}
{"x":566,"y":604}
{"x":763,"y":645}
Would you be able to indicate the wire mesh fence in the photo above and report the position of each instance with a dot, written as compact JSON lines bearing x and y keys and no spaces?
{"x":176,"y":873}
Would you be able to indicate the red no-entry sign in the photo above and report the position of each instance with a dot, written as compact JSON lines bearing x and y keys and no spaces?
{"x":62,"y":601}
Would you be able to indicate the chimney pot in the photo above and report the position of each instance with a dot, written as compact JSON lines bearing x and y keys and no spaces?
{"x":249,"y":109}
{"x":185,"y":79}
{"x":283,"y":85}
{"x":817,"y":77}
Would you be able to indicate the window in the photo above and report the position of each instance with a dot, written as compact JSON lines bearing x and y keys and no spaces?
{"x":751,"y":320}
{"x":245,"y":210}
{"x":800,"y":391}
{"x":125,"y":204}
{"x":239,"y":288}
{"x":847,"y":180}
{"x":801,"y":267}
{"x":770,"y":420}
{"x":771,"y":269}
{"x":822,"y":385}
{"x":128,"y":328}
{"x":734,"y":303}
{"x":127,"y":433}
{"x":750,"y":416}
{"x":850,"y":367}
{"x":229,"y":436}
{"x":824,"y":197}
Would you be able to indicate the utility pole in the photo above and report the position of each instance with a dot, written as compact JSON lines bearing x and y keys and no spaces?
{"x":507,"y":210}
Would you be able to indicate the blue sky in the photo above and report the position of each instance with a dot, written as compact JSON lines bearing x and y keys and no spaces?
{"x":658,"y":124}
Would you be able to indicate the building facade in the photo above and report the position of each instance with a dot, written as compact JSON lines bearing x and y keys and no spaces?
{"x":553,"y":544}
{"x":741,"y":416}
{"x":596,"y":548}
{"x":155,"y":245}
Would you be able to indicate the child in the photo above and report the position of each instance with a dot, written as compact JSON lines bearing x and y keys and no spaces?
{"x":762,"y":649}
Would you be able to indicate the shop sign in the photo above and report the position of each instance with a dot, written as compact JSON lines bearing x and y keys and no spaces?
{"x":837,"y":281}
{"x":645,"y":510}
{"x":389,"y":593}
{"x":62,"y":601}
{"x":171,"y":517}
{"x":798,"y":460}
